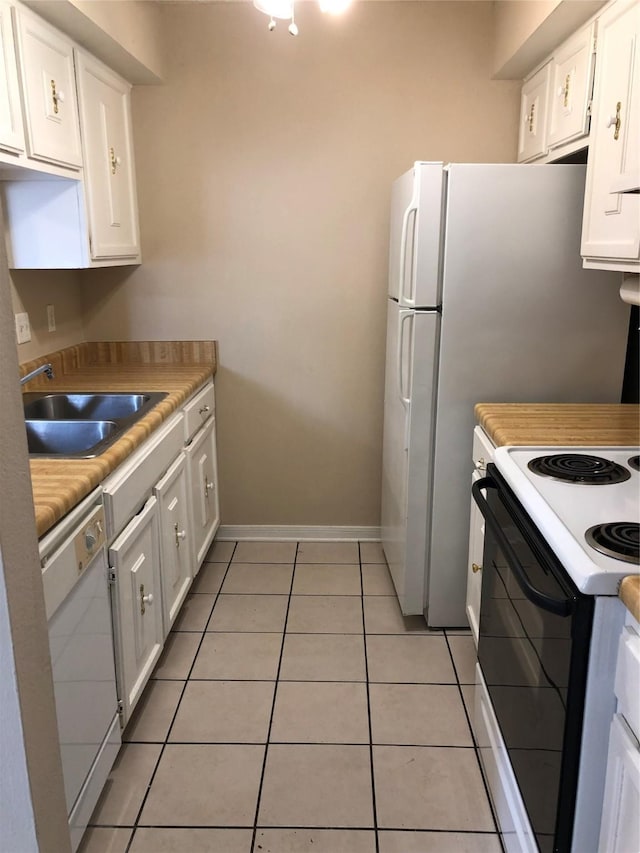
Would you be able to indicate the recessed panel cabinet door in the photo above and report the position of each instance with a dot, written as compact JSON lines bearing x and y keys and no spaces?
{"x":534,"y":98}
{"x":135,"y":559}
{"x":203,"y":489}
{"x":48,"y":85}
{"x":611,"y":223}
{"x":11,"y":132}
{"x":105,"y":114}
{"x":620,"y":828}
{"x":571,"y":84}
{"x":176,"y":540}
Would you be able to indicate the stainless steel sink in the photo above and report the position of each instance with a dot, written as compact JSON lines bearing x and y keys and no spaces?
{"x":92,"y":407}
{"x":69,"y":438}
{"x":82,"y":424}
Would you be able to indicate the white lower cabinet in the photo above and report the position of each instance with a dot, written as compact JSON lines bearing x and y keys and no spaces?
{"x":175,"y":539}
{"x":134,"y":558}
{"x":482,"y":454}
{"x":620,"y":827}
{"x":620,"y":831}
{"x":203,"y":489}
{"x":156,"y":553}
{"x":474,"y":569}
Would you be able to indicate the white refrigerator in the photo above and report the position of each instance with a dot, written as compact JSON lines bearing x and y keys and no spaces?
{"x":488,"y":302}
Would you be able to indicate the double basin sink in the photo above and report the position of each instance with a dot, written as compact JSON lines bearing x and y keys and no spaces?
{"x":81,"y":425}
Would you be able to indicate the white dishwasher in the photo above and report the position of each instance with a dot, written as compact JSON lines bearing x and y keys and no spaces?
{"x":76,"y":591}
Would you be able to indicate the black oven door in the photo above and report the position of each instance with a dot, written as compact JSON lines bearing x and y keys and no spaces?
{"x":533,"y":649}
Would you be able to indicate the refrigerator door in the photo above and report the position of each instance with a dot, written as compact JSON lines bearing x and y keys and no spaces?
{"x":412,"y":341}
{"x":521,"y":322}
{"x":414,"y":243}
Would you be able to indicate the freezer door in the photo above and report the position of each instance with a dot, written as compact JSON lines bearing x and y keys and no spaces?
{"x":412,"y":340}
{"x":414,"y":243}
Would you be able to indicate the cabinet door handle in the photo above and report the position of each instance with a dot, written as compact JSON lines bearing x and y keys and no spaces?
{"x":615,"y":121}
{"x":180,"y":534}
{"x":208,"y":487}
{"x":144,"y":599}
{"x":475,"y":568}
{"x":56,"y":96}
{"x":204,"y":410}
{"x":114,"y":160}
{"x":530,"y":117}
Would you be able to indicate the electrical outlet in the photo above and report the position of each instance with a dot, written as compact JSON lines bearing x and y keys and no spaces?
{"x":23,"y":329}
{"x":51,"y":318}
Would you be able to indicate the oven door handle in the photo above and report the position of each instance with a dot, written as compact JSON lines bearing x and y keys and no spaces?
{"x":558,"y":606}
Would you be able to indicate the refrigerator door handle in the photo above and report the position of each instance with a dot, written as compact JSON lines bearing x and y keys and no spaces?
{"x":405,"y":399}
{"x":403,"y":298}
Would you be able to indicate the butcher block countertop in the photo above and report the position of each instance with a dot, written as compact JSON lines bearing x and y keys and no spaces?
{"x":630,"y":594}
{"x":561,"y":424}
{"x":177,"y":367}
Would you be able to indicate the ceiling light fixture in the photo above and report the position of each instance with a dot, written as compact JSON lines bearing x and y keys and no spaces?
{"x":284,"y":10}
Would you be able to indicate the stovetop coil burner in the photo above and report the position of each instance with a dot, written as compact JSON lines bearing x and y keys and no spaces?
{"x":579,"y":468}
{"x":634,"y":462}
{"x":618,"y":539}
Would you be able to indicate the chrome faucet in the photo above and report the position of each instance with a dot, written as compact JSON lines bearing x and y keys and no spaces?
{"x":44,"y":368}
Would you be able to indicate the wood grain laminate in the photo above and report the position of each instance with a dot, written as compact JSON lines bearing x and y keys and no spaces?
{"x":560,"y":424}
{"x":630,"y":594}
{"x":180,"y":369}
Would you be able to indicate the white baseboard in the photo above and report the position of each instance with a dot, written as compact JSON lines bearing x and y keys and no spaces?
{"x":296,"y":533}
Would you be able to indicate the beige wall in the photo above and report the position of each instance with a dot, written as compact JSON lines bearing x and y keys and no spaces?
{"x":515,"y":23}
{"x":32,"y":291}
{"x":264,"y":171}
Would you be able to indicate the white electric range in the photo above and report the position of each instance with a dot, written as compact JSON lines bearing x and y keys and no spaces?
{"x":570,"y":491}
{"x":561,"y":530}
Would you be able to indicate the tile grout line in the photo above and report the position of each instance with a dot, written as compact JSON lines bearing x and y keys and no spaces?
{"x":374,"y":805}
{"x":182,"y":692}
{"x":273,"y":702}
{"x":474,"y":742}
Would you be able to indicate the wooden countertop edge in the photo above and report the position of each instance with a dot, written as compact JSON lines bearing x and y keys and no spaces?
{"x":630,"y":594}
{"x":60,"y":484}
{"x":560,"y":424}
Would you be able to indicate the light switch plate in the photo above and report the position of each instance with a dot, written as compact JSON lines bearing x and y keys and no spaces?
{"x":23,"y":328}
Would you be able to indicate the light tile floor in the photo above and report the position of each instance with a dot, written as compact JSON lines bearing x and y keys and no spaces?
{"x":294,"y":709}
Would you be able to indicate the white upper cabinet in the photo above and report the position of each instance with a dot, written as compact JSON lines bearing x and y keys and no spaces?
{"x":532,"y":140}
{"x":556,"y":100}
{"x":11,"y":130}
{"x":45,"y":59}
{"x":105,"y":115}
{"x":611,"y":223}
{"x":571,"y":84}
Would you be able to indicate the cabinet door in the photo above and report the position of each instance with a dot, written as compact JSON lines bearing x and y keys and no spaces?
{"x":48,"y":85}
{"x":11,"y":132}
{"x":135,"y":559}
{"x":203,"y":489}
{"x":175,"y":540}
{"x":105,"y":113}
{"x":571,"y":84}
{"x":532,"y":141}
{"x":620,"y":828}
{"x":610,"y":226}
{"x":474,"y":569}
